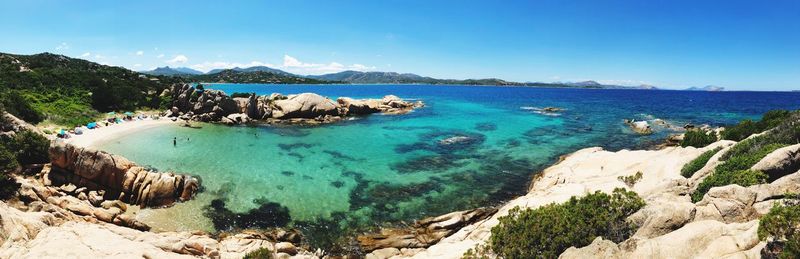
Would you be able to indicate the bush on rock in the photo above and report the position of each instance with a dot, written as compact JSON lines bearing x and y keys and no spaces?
{"x":547,"y":231}
{"x":782,"y":227}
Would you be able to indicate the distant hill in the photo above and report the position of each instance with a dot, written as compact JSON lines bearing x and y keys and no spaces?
{"x":357,"y":77}
{"x":169,"y":71}
{"x":254,"y":69}
{"x":257,"y":76}
{"x":709,"y":88}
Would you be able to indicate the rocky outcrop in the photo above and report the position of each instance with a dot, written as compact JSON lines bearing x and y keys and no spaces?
{"x":723,"y":224}
{"x":423,"y":233}
{"x":10,"y":125}
{"x":641,"y":127}
{"x":780,"y":162}
{"x":42,"y":234}
{"x":117,"y":177}
{"x":214,"y":106}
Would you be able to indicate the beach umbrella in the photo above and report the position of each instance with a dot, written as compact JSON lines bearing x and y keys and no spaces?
{"x":128,"y":114}
{"x":62,"y":132}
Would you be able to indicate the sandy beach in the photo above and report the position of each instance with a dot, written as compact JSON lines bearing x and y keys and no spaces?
{"x":94,"y":136}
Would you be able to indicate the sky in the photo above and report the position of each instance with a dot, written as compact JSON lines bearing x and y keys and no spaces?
{"x":739,"y":45}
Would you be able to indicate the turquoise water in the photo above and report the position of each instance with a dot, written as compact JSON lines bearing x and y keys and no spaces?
{"x":383,"y":169}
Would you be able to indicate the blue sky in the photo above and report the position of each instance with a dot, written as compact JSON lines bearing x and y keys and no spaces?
{"x":735,"y":44}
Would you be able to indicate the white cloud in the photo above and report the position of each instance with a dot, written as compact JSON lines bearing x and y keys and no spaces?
{"x":62,"y":46}
{"x":98,"y":56}
{"x":137,"y":65}
{"x":160,"y":56}
{"x":139,"y":53}
{"x":178,"y":59}
{"x":294,"y":65}
{"x":208,"y":66}
{"x":86,"y":55}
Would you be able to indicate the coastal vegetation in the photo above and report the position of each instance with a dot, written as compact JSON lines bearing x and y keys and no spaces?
{"x":68,"y":91}
{"x":263,"y":77}
{"x":746,"y":128}
{"x":696,"y":164}
{"x":261,"y":253}
{"x":698,"y":138}
{"x":781,"y":227}
{"x":735,"y":168}
{"x":547,"y":231}
{"x":23,"y":148}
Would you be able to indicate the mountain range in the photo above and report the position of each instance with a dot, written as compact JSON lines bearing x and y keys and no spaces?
{"x":263,"y":74}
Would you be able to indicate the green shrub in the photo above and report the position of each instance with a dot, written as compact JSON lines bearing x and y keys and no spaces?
{"x":8,"y":186}
{"x":736,"y":170}
{"x":17,"y":105}
{"x":740,"y":177}
{"x":631,"y":180}
{"x":547,"y":231}
{"x":8,"y":161}
{"x":261,"y":253}
{"x":698,"y":163}
{"x":746,"y":128}
{"x":30,"y":147}
{"x":698,"y":138}
{"x":782,"y":225}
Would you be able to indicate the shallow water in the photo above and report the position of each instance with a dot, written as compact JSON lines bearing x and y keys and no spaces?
{"x":383,"y":169}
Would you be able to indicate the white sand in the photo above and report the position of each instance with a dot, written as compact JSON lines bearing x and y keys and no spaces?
{"x":91,"y":137}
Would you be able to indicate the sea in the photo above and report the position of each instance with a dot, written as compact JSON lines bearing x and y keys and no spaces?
{"x":469,"y":147}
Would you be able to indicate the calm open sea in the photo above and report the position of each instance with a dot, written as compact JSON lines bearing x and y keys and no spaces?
{"x":376,"y":170}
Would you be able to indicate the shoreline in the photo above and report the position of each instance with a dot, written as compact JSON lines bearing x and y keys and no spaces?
{"x":93,"y":137}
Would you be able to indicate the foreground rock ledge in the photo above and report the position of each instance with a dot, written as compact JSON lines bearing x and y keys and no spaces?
{"x":117,"y":177}
{"x":189,"y":103}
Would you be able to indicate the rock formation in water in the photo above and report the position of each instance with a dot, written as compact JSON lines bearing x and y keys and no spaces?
{"x":118,"y":177}
{"x":215,"y":106}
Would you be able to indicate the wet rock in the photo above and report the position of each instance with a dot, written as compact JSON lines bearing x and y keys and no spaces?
{"x":425,"y":232}
{"x":641,"y":127}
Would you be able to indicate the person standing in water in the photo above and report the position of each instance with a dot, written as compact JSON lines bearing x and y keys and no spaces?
{"x":175,"y":141}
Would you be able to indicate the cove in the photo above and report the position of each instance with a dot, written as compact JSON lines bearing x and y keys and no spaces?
{"x":470,"y":146}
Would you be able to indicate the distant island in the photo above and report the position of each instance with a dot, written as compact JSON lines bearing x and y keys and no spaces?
{"x":708,"y":88}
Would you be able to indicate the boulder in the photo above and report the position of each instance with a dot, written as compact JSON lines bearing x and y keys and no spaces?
{"x":305,"y":105}
{"x":358,"y":107}
{"x":285,"y":247}
{"x":663,"y":214}
{"x":780,"y":162}
{"x":730,"y":203}
{"x":641,"y":127}
{"x":599,"y":248}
